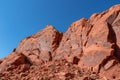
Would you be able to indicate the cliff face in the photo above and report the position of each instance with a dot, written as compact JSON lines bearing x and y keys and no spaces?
{"x":88,"y":50}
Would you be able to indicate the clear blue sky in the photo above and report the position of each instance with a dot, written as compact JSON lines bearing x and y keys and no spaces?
{"x":21,"y":18}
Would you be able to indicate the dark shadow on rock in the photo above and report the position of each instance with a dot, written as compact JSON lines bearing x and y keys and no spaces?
{"x":26,"y":59}
{"x":112,"y":36}
{"x":113,"y":39}
{"x":117,"y":52}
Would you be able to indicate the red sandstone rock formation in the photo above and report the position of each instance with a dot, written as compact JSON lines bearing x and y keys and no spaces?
{"x":88,"y":50}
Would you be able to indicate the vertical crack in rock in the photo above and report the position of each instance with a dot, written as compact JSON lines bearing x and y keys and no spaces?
{"x":112,"y":36}
{"x":58,"y":40}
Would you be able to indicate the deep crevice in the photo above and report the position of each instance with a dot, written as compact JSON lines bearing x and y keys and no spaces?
{"x":113,"y":39}
{"x":111,"y":36}
{"x":59,"y":38}
{"x":117,"y":52}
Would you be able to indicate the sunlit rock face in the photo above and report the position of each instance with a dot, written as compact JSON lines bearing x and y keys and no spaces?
{"x":88,"y":47}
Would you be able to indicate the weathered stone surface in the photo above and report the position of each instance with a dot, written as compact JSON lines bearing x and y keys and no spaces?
{"x":89,"y":49}
{"x":73,"y":40}
{"x":40,"y":46}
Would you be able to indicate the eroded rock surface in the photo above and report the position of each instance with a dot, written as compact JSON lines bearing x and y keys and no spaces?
{"x":88,"y":50}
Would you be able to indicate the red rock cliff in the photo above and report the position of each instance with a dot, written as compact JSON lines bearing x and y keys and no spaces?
{"x":88,"y":50}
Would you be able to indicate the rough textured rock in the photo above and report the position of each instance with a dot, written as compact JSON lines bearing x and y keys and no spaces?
{"x":88,"y":50}
{"x":41,"y":45}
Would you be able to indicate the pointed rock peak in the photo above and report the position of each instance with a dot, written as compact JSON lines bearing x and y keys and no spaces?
{"x":50,"y":27}
{"x":77,"y":24}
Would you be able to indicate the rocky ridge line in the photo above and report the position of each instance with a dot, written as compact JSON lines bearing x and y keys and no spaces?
{"x":91,"y":46}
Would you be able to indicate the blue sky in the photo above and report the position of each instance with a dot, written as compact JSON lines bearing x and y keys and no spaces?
{"x":21,"y":18}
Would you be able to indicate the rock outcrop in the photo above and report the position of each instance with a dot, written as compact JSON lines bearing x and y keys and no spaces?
{"x":88,"y":50}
